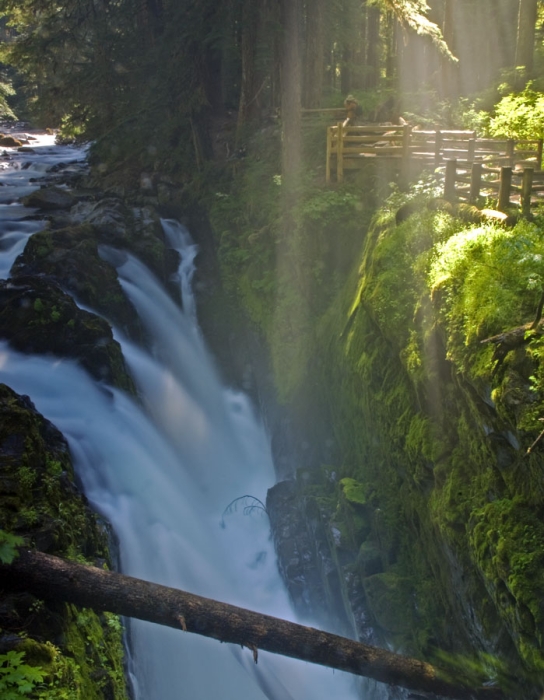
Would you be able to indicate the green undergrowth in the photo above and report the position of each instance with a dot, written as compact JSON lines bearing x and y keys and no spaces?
{"x":54,"y":651}
{"x":286,"y":275}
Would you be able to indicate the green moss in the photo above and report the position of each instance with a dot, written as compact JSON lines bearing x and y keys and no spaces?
{"x":387,"y":594}
{"x":40,"y":503}
{"x":353,"y":491}
{"x":507,"y":541}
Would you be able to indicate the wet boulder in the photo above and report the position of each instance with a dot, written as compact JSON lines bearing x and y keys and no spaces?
{"x":49,"y":198}
{"x":36,"y":316}
{"x":70,"y":256}
{"x":9,"y":141}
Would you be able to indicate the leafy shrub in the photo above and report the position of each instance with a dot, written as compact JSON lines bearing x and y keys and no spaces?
{"x":519,"y":116}
{"x":17,"y":679}
{"x":489,"y":280}
{"x":8,"y":546}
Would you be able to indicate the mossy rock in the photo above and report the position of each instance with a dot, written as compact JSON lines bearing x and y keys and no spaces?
{"x":507,"y":541}
{"x":79,"y":652}
{"x":49,"y":198}
{"x":370,"y":559}
{"x":388,"y":597}
{"x":36,"y":316}
{"x":70,"y":256}
{"x":36,"y":477}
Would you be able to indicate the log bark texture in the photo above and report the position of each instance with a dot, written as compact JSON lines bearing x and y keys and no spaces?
{"x":50,"y":577}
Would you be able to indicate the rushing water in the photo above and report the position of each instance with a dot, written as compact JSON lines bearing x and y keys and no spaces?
{"x":162,"y":473}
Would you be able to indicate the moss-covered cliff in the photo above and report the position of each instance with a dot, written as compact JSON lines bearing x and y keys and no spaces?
{"x":436,"y":429}
{"x":51,"y":650}
{"x":416,"y":434}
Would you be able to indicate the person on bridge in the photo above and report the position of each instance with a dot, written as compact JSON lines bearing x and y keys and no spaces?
{"x":352,"y":107}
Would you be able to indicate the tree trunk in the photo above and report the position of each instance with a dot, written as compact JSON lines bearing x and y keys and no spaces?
{"x":450,"y":71}
{"x":345,"y":71}
{"x":391,"y":49}
{"x":53,"y":578}
{"x":525,"y":42}
{"x":249,"y":107}
{"x":314,"y":53}
{"x":373,"y":47}
{"x":290,"y":95}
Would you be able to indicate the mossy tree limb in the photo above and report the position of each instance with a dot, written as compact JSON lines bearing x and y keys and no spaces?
{"x":52,"y":577}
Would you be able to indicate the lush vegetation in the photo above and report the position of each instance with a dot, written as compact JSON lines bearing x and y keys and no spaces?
{"x":375,"y":329}
{"x":55,"y":652}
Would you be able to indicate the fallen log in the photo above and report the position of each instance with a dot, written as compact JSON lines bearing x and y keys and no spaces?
{"x":50,"y":577}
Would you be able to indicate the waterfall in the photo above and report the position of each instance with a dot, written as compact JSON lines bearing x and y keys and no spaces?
{"x":162,"y":472}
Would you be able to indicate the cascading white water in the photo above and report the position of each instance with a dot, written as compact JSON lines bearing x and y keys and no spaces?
{"x":16,"y":172}
{"x":162,"y":475}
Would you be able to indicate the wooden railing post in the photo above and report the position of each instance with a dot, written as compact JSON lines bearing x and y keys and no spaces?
{"x":475,"y":182}
{"x":406,"y":151}
{"x":505,"y":185}
{"x":328,"y":157}
{"x":449,"y":182}
{"x":437,"y":148}
{"x":510,"y":146}
{"x":340,"y":153}
{"x":470,"y":150}
{"x":526,"y":188}
{"x":539,"y":155}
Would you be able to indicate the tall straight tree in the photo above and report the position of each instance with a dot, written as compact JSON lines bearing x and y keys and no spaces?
{"x":373,"y":47}
{"x":249,"y":107}
{"x":290,"y":66}
{"x":314,"y":53}
{"x":525,"y":43}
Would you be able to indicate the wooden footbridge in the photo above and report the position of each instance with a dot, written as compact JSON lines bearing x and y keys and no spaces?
{"x":507,"y":170}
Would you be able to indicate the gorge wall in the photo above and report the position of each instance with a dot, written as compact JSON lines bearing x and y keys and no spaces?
{"x":413,"y":508}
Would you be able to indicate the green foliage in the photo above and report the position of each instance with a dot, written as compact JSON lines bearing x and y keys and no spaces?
{"x":519,"y":116}
{"x":6,"y":91}
{"x":488,"y":279}
{"x":8,"y":546}
{"x":17,"y":679}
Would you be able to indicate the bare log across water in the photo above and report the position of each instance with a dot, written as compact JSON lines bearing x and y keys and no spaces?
{"x":54,"y":578}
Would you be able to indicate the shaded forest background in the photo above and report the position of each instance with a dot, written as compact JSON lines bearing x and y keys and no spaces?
{"x":156,"y":82}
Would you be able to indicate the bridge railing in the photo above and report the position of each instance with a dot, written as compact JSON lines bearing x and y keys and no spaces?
{"x":521,"y":186}
{"x":348,"y":147}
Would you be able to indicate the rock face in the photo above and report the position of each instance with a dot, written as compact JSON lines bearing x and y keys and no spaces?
{"x":439,"y":511}
{"x":40,"y":502}
{"x":316,"y":560}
